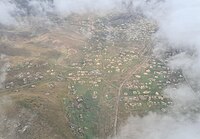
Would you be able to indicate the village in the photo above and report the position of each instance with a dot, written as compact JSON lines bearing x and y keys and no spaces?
{"x":112,"y":70}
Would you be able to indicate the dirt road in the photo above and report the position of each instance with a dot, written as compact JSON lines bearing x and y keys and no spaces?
{"x":129,"y":75}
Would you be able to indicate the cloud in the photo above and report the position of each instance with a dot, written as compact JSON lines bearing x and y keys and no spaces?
{"x":178,"y":22}
{"x":155,"y":126}
{"x":17,"y":11}
{"x":182,"y":121}
{"x":83,"y":6}
{"x":178,"y":29}
{"x":7,"y":10}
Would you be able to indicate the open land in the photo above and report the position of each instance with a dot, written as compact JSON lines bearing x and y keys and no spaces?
{"x":82,"y":78}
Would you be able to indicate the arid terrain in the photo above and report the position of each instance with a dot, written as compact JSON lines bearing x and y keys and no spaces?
{"x":80,"y":78}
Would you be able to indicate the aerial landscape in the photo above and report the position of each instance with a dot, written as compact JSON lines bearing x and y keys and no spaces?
{"x":104,"y":69}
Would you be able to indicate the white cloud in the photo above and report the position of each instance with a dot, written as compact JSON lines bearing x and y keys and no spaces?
{"x":178,"y":23}
{"x":182,"y":121}
{"x":179,"y":27}
{"x":60,"y":7}
{"x":155,"y":126}
{"x":7,"y":9}
{"x":83,"y":6}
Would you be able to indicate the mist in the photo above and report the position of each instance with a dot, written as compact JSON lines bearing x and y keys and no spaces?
{"x":181,"y":121}
{"x":6,"y":13}
{"x":17,"y":12}
{"x":156,"y":126}
{"x":179,"y":29}
{"x":65,"y":7}
{"x":179,"y":25}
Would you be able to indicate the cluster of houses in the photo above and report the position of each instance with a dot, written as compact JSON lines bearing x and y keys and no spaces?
{"x":140,"y":99}
{"x":28,"y":74}
{"x":143,"y":94}
{"x":101,"y":31}
{"x":99,"y":63}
